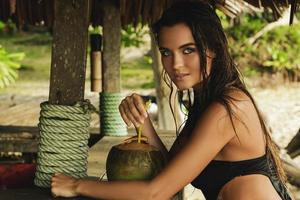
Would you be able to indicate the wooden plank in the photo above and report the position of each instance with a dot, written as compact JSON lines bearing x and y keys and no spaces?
{"x":292,"y":171}
{"x":12,"y":102}
{"x":28,"y":114}
{"x":19,"y":108}
{"x":18,"y":146}
{"x":293,"y":148}
{"x":69,"y":51}
{"x":18,"y":129}
{"x":32,"y":193}
{"x":32,"y":129}
{"x":31,"y":145}
{"x":24,"y":138}
{"x":111,"y":46}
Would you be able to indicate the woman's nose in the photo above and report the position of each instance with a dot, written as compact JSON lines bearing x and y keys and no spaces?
{"x":177,"y":61}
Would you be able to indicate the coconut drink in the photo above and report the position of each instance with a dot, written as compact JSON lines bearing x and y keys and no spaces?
{"x":134,"y":159}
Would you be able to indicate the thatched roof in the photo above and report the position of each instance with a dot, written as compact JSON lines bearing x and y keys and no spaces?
{"x":37,"y":12}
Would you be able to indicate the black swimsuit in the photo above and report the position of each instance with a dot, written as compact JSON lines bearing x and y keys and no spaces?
{"x":218,"y":173}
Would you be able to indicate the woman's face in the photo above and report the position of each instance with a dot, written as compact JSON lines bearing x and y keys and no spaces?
{"x":180,"y":56}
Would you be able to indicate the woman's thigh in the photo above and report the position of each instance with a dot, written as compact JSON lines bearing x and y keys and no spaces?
{"x":249,"y":187}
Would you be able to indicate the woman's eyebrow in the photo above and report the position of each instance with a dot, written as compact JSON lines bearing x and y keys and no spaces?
{"x":180,"y":47}
{"x":162,"y":48}
{"x":187,"y":44}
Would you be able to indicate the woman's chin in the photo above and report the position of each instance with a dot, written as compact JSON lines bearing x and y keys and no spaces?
{"x":182,"y":87}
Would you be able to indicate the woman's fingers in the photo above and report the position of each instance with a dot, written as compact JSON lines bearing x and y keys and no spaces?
{"x":63,"y":185}
{"x":132,"y":102}
{"x":139,"y":103}
{"x":124,"y":116}
{"x":128,"y":114}
{"x":132,"y":110}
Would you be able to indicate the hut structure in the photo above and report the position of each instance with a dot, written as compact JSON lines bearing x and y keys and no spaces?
{"x":69,"y":21}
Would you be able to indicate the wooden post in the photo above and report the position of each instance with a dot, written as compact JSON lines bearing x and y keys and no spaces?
{"x":110,"y":97}
{"x":293,"y":148}
{"x":69,"y":51}
{"x":96,"y":58}
{"x":111,"y":47}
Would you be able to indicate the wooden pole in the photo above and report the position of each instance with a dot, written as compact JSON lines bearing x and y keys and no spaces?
{"x":111,"y":47}
{"x":69,"y":51}
{"x":292,"y":171}
{"x":111,"y":122}
{"x":293,"y":148}
{"x":96,"y":65}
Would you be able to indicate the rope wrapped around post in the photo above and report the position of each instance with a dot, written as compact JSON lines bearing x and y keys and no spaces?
{"x":63,"y":141}
{"x":111,"y":121}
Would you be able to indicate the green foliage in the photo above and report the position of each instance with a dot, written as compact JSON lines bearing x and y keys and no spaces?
{"x":8,"y":27}
{"x":247,"y":25}
{"x":95,"y":30}
{"x":225,"y":20}
{"x":277,"y":50}
{"x":137,"y":74}
{"x":282,"y":47}
{"x":37,"y":47}
{"x":133,"y":36}
{"x":2,"y":25}
{"x":9,"y":64}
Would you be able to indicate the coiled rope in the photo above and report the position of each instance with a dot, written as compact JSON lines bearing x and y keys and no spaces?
{"x":111,"y":121}
{"x":63,"y":142}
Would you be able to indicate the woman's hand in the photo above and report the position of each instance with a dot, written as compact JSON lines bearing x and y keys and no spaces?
{"x":132,"y":110}
{"x":63,"y":185}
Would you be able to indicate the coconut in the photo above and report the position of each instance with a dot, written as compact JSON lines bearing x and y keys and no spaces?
{"x":133,"y":161}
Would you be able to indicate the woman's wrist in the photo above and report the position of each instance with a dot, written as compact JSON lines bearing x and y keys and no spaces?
{"x":78,"y":186}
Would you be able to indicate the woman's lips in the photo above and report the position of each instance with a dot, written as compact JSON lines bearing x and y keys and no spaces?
{"x":181,"y":76}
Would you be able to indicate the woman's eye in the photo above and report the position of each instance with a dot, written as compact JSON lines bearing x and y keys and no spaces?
{"x":188,"y":50}
{"x":165,"y":53}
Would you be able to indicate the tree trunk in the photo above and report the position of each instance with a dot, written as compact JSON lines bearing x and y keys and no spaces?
{"x":292,"y":171}
{"x":69,"y":51}
{"x":293,"y":148}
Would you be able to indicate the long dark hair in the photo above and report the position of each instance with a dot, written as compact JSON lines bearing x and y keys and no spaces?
{"x":224,"y":76}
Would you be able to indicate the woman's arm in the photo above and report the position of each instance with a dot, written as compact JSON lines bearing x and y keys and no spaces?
{"x":153,"y":138}
{"x":63,"y":185}
{"x":211,"y":134}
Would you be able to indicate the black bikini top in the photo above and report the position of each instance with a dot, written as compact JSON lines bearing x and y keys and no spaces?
{"x":218,"y":173}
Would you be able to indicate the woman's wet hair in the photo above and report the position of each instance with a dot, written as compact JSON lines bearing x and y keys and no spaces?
{"x":224,"y":76}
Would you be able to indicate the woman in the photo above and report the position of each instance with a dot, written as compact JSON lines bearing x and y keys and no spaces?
{"x":224,"y":148}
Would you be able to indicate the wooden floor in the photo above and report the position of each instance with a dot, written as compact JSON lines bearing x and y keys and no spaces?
{"x":22,"y":110}
{"x":33,"y":193}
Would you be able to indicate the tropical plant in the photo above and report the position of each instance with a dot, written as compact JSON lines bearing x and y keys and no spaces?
{"x":275,"y":51}
{"x":133,"y":36}
{"x":9,"y":65}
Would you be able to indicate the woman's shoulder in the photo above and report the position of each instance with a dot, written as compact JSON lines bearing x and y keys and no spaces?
{"x":239,"y":101}
{"x":234,"y":100}
{"x":235,"y":109}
